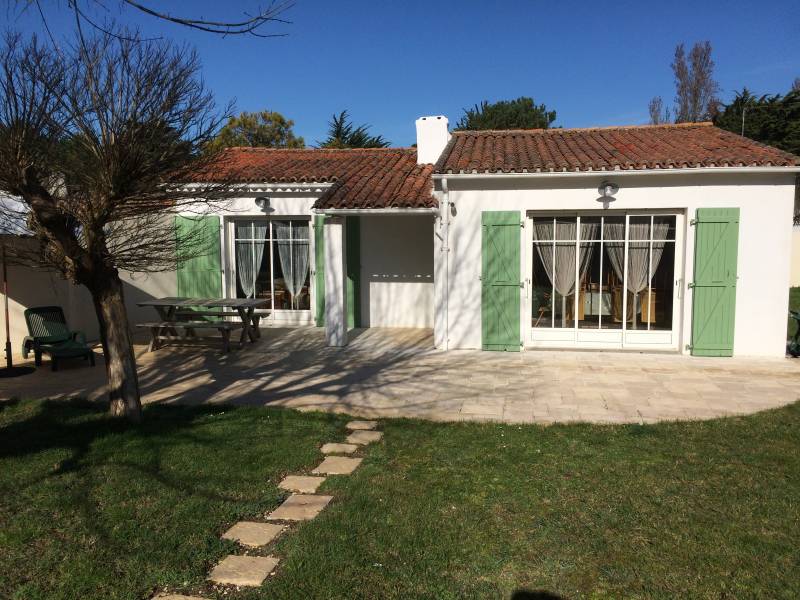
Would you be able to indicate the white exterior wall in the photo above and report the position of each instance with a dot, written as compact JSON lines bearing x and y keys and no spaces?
{"x":765,"y":230}
{"x":335,"y":282}
{"x":795,"y":278}
{"x":30,"y":287}
{"x":397,"y":271}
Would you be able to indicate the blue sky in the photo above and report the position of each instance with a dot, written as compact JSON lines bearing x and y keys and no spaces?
{"x":595,"y":63}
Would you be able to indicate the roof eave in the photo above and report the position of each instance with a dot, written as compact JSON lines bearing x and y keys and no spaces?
{"x":620,"y":172}
{"x":376,"y":211}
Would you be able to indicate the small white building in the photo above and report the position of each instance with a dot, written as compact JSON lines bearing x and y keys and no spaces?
{"x":670,"y":238}
{"x":660,"y":238}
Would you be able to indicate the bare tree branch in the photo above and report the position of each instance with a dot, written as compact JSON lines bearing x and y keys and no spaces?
{"x":249,"y":26}
{"x":659,"y":114}
{"x":252,"y":24}
{"x":695,"y":87}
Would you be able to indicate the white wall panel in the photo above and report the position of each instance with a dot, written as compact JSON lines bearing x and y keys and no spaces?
{"x":397,"y":271}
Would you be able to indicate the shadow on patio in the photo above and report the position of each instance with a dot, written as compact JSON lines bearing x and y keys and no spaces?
{"x":397,"y":373}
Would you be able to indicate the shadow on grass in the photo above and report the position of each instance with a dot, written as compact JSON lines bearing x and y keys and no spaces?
{"x":535,"y":595}
{"x":127,"y":491}
{"x":76,"y":423}
{"x":6,"y":404}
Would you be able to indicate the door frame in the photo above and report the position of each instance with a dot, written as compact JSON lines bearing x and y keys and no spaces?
{"x":605,"y":339}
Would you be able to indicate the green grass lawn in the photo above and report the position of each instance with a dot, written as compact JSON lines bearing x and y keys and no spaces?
{"x":90,"y":508}
{"x":794,"y":304}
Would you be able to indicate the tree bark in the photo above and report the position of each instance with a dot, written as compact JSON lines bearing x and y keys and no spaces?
{"x":123,"y":380}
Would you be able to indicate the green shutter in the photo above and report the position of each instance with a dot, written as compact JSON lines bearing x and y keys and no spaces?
{"x":500,"y":289}
{"x":714,"y":289}
{"x":319,"y":273}
{"x":200,"y":276}
{"x":353,"y":249}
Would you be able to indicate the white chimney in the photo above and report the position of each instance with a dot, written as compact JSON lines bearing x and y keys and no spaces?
{"x":432,"y":137}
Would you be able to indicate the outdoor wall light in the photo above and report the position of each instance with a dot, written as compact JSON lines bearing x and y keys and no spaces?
{"x":262,"y":203}
{"x":607,"y":191}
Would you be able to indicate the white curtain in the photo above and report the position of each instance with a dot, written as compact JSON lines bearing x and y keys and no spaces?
{"x":559,"y":262}
{"x":292,"y":241}
{"x":640,"y":271}
{"x":250,"y":242}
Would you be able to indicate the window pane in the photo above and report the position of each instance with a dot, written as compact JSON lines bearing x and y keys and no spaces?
{"x":542,"y":229}
{"x":244,"y":230}
{"x":541,"y":286}
{"x":637,"y":284}
{"x":263,"y":287}
{"x":300,"y":230}
{"x":281,"y":294}
{"x":252,"y":269}
{"x":613,"y":272}
{"x":639,"y":228}
{"x":291,"y":265}
{"x":564,"y":282}
{"x":594,"y":300}
{"x":300,"y":298}
{"x":590,"y":228}
{"x":566,"y":228}
{"x":662,"y":285}
{"x":664,"y":227}
{"x":614,"y":228}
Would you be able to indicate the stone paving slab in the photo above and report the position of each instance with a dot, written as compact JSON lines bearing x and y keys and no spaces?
{"x":339,"y":448}
{"x":364,"y":437}
{"x":253,"y":534}
{"x":300,"y":507}
{"x":301,"y":483}
{"x":337,"y":465}
{"x":360,"y":425}
{"x":243,"y":570}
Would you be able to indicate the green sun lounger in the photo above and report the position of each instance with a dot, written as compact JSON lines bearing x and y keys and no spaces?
{"x":49,"y":334}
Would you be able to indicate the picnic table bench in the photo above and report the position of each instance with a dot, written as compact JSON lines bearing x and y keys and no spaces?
{"x":157,"y":329}
{"x":189,"y":314}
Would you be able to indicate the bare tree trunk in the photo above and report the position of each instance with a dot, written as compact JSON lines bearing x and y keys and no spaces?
{"x":123,"y":380}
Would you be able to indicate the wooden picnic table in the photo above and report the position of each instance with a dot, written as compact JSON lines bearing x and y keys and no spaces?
{"x":172,"y":310}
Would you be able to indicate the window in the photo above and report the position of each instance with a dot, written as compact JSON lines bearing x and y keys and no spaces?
{"x":272,"y":262}
{"x":589,"y":271}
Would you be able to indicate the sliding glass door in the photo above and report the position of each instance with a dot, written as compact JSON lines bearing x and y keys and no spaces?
{"x":603,"y":280}
{"x":270,"y":259}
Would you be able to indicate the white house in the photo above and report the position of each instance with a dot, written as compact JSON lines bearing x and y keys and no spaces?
{"x":660,"y":238}
{"x":665,"y":238}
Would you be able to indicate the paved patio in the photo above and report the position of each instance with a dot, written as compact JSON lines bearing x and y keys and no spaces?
{"x":396,"y":373}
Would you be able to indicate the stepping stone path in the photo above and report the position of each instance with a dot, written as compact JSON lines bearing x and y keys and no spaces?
{"x":339,"y":448}
{"x":302,"y":505}
{"x":299,"y":507}
{"x":301,"y":483}
{"x":243,"y":570}
{"x":250,"y":533}
{"x":337,"y":465}
{"x":364,"y":437}
{"x":354,"y":425}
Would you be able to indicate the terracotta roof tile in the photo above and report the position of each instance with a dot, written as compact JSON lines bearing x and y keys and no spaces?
{"x":361,"y":178}
{"x":689,"y":145}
